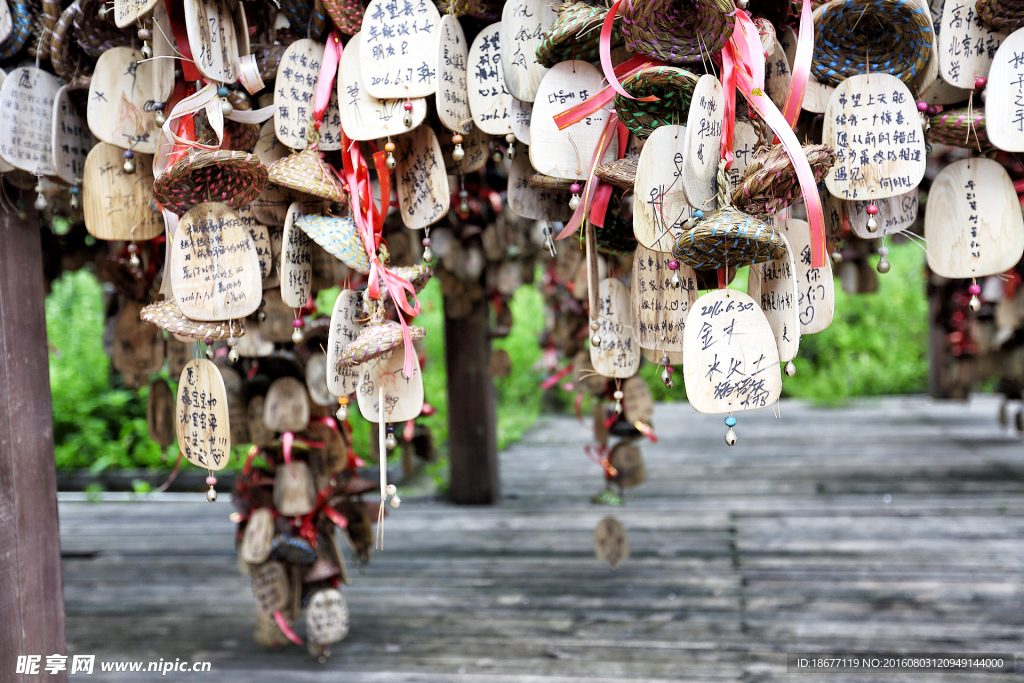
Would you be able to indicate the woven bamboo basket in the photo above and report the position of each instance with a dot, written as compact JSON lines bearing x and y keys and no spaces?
{"x":575,"y":34}
{"x":339,"y":237}
{"x":770,"y":183}
{"x":674,"y":88}
{"x":347,"y":15}
{"x":678,"y":31}
{"x":489,"y":10}
{"x":374,"y":340}
{"x":620,"y":173}
{"x":550,"y":182}
{"x":95,"y":35}
{"x":306,"y":172}
{"x":20,"y":31}
{"x":960,"y":128}
{"x":167,"y":316}
{"x":1002,"y":15}
{"x":418,"y":276}
{"x":234,"y":178}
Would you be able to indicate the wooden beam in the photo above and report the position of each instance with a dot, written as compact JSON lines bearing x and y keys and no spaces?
{"x":472,"y":413}
{"x":31,"y":590}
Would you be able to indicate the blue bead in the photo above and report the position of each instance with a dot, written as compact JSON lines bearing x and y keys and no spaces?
{"x":730,"y":421}
{"x":74,"y":189}
{"x":222,"y":91}
{"x":698,"y":214}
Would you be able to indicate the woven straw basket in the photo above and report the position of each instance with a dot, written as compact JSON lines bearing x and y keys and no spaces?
{"x":347,"y":15}
{"x":674,"y":88}
{"x":678,"y":31}
{"x":21,"y":30}
{"x":234,"y":178}
{"x":575,"y":34}
{"x":960,"y":128}
{"x":770,"y":183}
{"x":306,"y":172}
{"x":167,"y":316}
{"x":1002,"y":15}
{"x":339,"y":237}
{"x":418,"y":276}
{"x":374,"y":340}
{"x":620,"y":173}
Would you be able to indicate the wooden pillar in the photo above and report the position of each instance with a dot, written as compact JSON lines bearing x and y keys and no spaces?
{"x":31,"y":590}
{"x":472,"y":414}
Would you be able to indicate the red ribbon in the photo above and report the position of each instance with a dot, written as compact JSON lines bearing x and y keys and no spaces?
{"x":590,"y":191}
{"x":599,"y":454}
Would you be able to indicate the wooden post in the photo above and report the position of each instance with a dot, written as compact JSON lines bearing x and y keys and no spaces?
{"x":472,"y":414}
{"x":31,"y":590}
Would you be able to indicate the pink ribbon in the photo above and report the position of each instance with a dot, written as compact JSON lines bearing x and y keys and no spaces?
{"x":282,"y":624}
{"x":590,"y":191}
{"x":605,"y":95}
{"x":801,"y":66}
{"x":328,"y":69}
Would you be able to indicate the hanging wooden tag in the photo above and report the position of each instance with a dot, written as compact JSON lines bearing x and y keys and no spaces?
{"x":659,"y":206}
{"x":70,"y":139}
{"x":363,"y":116}
{"x":476,"y":148}
{"x":294,"y":90}
{"x":258,"y":432}
{"x":213,"y":35}
{"x":637,"y":404}
{"x":127,"y":12}
{"x":276,"y":247}
{"x":237,"y":408}
{"x":179,"y":353}
{"x":489,"y":100}
{"x":452,"y":97}
{"x":270,"y":587}
{"x":522,"y":116}
{"x":26,"y":100}
{"x":567,"y":153}
{"x":215,"y":272}
{"x":703,"y":141}
{"x":6,"y":21}
{"x":744,"y":142}
{"x":610,"y":542}
{"x":121,"y":97}
{"x":260,"y":237}
{"x":294,"y":490}
{"x":816,"y":288}
{"x":940,"y":92}
{"x":165,"y":52}
{"x":423,"y":193}
{"x":403,"y":396}
{"x":1004,"y":96}
{"x":535,"y":203}
{"x":138,"y":346}
{"x":523,"y":25}
{"x":398,"y":49}
{"x":675,"y":358}
{"x":816,"y":94}
{"x":875,"y":128}
{"x":895,"y":214}
{"x":618,"y":355}
{"x":777,"y":75}
{"x":277,"y":326}
{"x":327,"y":617}
{"x":271,"y":207}
{"x":342,"y":381}
{"x":731,"y":359}
{"x":966,"y":46}
{"x":628,"y":463}
{"x":773,"y":285}
{"x":160,"y":412}
{"x":252,"y":344}
{"x":296,"y":261}
{"x":117,"y":204}
{"x":973,"y":224}
{"x":659,"y":308}
{"x":286,"y":407}
{"x":258,"y":534}
{"x":316,"y":380}
{"x":203,"y":430}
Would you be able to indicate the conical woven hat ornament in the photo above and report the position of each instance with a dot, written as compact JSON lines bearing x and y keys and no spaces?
{"x":167,"y":315}
{"x":677,"y":31}
{"x":769,"y":183}
{"x":418,"y":276}
{"x":339,"y":237}
{"x":575,"y":35}
{"x":377,"y":338}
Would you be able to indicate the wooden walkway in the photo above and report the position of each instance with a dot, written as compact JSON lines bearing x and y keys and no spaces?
{"x":893,"y":526}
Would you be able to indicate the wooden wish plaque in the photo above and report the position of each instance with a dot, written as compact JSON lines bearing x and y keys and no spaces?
{"x":257,"y":537}
{"x":341,"y":380}
{"x":271,"y":206}
{"x":204,"y":433}
{"x":403,"y":396}
{"x":270,"y":587}
{"x":1004,"y":95}
{"x":777,"y":75}
{"x":744,"y":142}
{"x":327,"y":617}
{"x":660,"y":206}
{"x":6,"y":21}
{"x":213,"y":35}
{"x":398,"y":48}
{"x":873,"y":124}
{"x":127,"y":12}
{"x":637,"y":403}
{"x":535,"y":203}
{"x":26,"y":100}
{"x":138,"y":346}
{"x":567,"y":153}
{"x":966,"y":46}
{"x":476,"y":150}
{"x":489,"y":100}
{"x":160,"y":412}
{"x":452,"y":96}
{"x":618,"y":355}
{"x":286,"y":406}
{"x":523,"y":25}
{"x":895,"y":214}
{"x":611,"y":544}
{"x":260,"y":239}
{"x":117,"y":204}
{"x":122,"y":92}
{"x":294,"y":489}
{"x":70,"y":139}
{"x":973,"y":224}
{"x":659,"y":308}
{"x":655,"y":356}
{"x":294,"y":90}
{"x":423,"y":193}
{"x":316,"y":381}
{"x":703,"y":141}
{"x":773,"y":285}
{"x":215,"y":271}
{"x":815,"y":286}
{"x":296,"y":261}
{"x":363,"y":116}
{"x":522,"y":117}
{"x":731,"y":360}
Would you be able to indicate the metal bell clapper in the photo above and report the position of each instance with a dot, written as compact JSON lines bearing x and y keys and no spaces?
{"x":730,"y":435}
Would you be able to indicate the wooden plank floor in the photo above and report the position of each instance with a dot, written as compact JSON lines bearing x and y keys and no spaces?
{"x":893,"y":526}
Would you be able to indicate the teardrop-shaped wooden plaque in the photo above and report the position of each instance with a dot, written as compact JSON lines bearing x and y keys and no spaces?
{"x":535,"y":203}
{"x":398,"y":48}
{"x":363,"y":116}
{"x":452,"y":97}
{"x":403,"y":396}
{"x":659,"y":308}
{"x":287,"y":406}
{"x":203,"y":429}
{"x":966,"y":46}
{"x":70,"y":139}
{"x":816,"y":288}
{"x":660,"y":206}
{"x":138,"y":346}
{"x":257,"y":537}
{"x":270,"y":587}
{"x":637,"y":403}
{"x":423,"y":193}
{"x":296,"y":261}
{"x":117,"y":204}
{"x":26,"y":100}
{"x":618,"y":356}
{"x":895,"y":214}
{"x":316,"y":380}
{"x":1004,"y":96}
{"x":294,"y":490}
{"x":610,"y":542}
{"x":122,"y":92}
{"x":327,"y":617}
{"x":489,"y":100}
{"x":731,"y":359}
{"x":213,"y":35}
{"x":773,"y":285}
{"x":744,"y":142}
{"x":523,"y":25}
{"x":341,"y":380}
{"x":522,"y":117}
{"x":703,"y":140}
{"x":160,"y":412}
{"x":294,"y":90}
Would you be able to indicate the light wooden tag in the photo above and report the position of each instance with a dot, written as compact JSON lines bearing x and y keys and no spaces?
{"x":659,"y":309}
{"x":270,"y":587}
{"x":286,"y":407}
{"x":294,"y":490}
{"x":489,"y":100}
{"x":732,"y":362}
{"x":121,"y":97}
{"x":816,"y":96}
{"x":165,"y":51}
{"x":452,"y":97}
{"x":316,"y":380}
{"x":476,"y":148}
{"x":973,"y":224}
{"x":777,"y":76}
{"x":744,"y":142}
{"x":138,"y":346}
{"x":26,"y":100}
{"x":4,"y":166}
{"x":1004,"y":96}
{"x":214,"y":37}
{"x":567,"y":153}
{"x":703,"y":141}
{"x":873,"y":123}
{"x":342,"y":381}
{"x":628,"y":464}
{"x":637,"y":404}
{"x":675,"y":358}
{"x":215,"y":272}
{"x":237,"y":408}
{"x":327,"y":617}
{"x":403,"y":396}
{"x":610,"y":542}
{"x":535,"y":203}
{"x":294,"y":92}
{"x":127,"y":12}
{"x":523,"y":25}
{"x":966,"y":46}
{"x":6,"y":21}
{"x":817,"y":293}
{"x":660,"y":206}
{"x":895,"y":214}
{"x":260,"y":239}
{"x":363,"y":116}
{"x":179,"y":353}
{"x":271,"y":206}
{"x":398,"y":48}
{"x":117,"y":204}
{"x":70,"y":139}
{"x":252,"y":344}
{"x":277,"y":326}
{"x":296,"y":261}
{"x":619,"y":354}
{"x":773,"y":285}
{"x":204,"y":433}
{"x":258,"y":432}
{"x":423,"y":193}
{"x":257,"y":537}
{"x":522,"y":116}
{"x":160,"y":412}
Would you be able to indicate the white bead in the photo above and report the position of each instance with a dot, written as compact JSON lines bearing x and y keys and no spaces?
{"x":390,"y":442}
{"x":790,"y":369}
{"x":342,"y":413}
{"x":391,"y":489}
{"x":233,"y":355}
{"x":211,"y":495}
{"x":297,"y":336}
{"x":395,"y":501}
{"x":458,"y":153}
{"x":574,"y":201}
{"x":618,"y":395}
{"x":730,"y":437}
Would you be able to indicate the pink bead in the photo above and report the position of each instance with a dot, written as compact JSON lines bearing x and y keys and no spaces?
{"x":211,"y":480}
{"x":297,"y":323}
{"x":872,"y":209}
{"x":980,"y":82}
{"x":673,"y":265}
{"x":426,"y":241}
{"x":922,"y":106}
{"x":931,"y":110}
{"x":408,"y":105}
{"x":574,"y":188}
{"x":974,"y":289}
